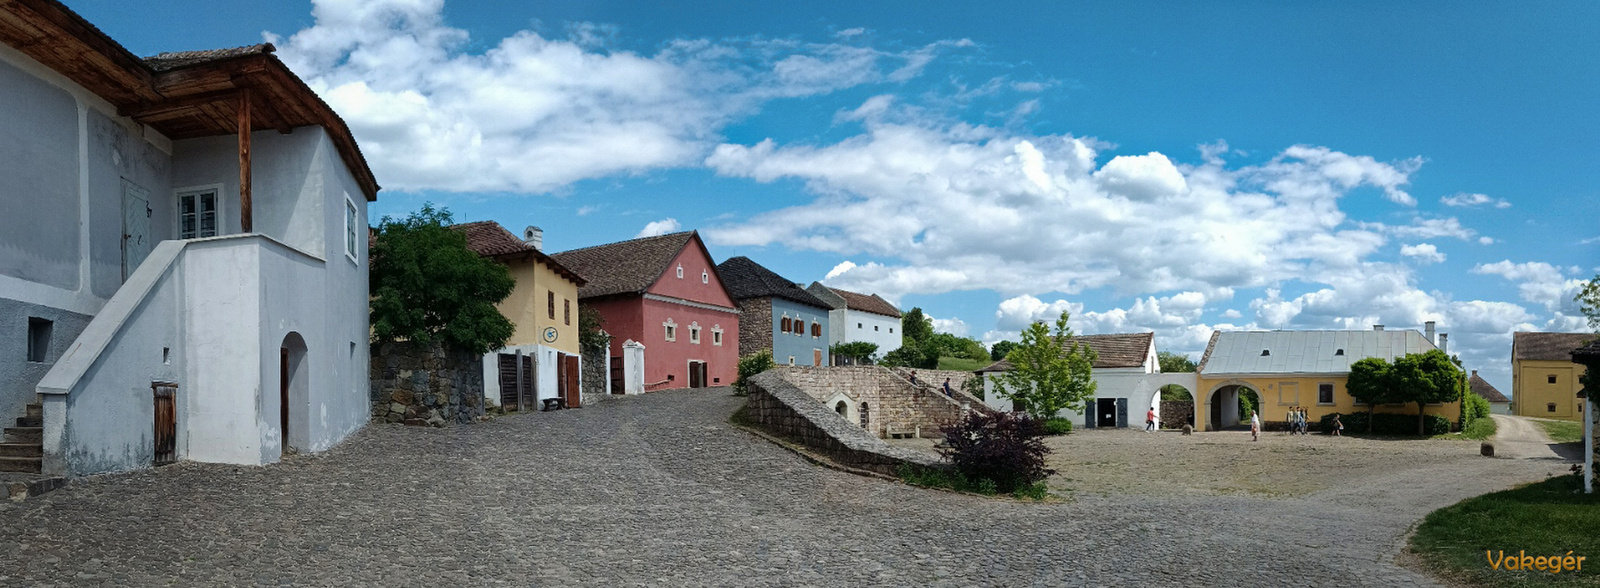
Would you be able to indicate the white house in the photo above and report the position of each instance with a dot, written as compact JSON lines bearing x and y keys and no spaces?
{"x":859,"y":317}
{"x":186,"y":285}
{"x":1127,"y":378}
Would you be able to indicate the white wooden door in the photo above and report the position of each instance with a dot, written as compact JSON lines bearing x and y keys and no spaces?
{"x":136,"y":242}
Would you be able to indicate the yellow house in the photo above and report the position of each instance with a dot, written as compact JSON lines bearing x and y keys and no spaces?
{"x":541,"y":365}
{"x":1292,"y":370}
{"x":1544,"y":381}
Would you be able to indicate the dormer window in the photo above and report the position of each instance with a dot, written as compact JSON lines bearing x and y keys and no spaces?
{"x":1339,"y":352}
{"x":680,"y":272}
{"x":1265,"y":353}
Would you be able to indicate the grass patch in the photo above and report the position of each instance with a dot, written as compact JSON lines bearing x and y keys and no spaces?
{"x":1563,"y":431}
{"x":1479,"y":429}
{"x":1549,"y":518}
{"x":962,"y":364}
{"x":950,"y":479}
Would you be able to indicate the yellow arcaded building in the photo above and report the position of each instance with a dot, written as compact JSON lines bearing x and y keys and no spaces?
{"x":1299,"y":369}
{"x":1544,"y":381}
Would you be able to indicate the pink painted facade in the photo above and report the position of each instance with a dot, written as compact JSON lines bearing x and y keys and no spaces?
{"x":703,"y":319}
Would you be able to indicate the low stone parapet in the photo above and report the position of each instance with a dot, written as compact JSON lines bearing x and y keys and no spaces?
{"x":783,"y":409}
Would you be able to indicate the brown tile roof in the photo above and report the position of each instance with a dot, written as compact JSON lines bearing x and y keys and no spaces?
{"x":489,"y":239}
{"x":1112,"y":351}
{"x":178,"y":59}
{"x":872,"y":303}
{"x":1547,"y":346}
{"x":747,"y":279}
{"x":1211,"y":345}
{"x":1485,"y":389}
{"x":626,"y":267}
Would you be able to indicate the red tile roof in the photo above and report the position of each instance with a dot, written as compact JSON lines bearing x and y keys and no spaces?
{"x":489,"y":239}
{"x":625,"y":267}
{"x":1485,"y":389}
{"x":1121,"y":350}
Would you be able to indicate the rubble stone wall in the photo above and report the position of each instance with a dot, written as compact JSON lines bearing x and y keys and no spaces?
{"x":425,"y":385}
{"x":893,"y":405}
{"x":782,"y":408}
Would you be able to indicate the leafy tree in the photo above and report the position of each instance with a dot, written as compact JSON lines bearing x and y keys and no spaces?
{"x":427,"y":286}
{"x":1588,"y":299}
{"x":915,"y":326}
{"x":749,"y":366}
{"x":1371,"y":382}
{"x":1176,"y":393}
{"x":911,"y":355}
{"x":1174,"y":362}
{"x":1249,"y":402}
{"x":999,"y":351}
{"x":591,"y":333}
{"x":861,"y":351}
{"x":1049,"y":372}
{"x":948,"y":345}
{"x":1424,"y":378}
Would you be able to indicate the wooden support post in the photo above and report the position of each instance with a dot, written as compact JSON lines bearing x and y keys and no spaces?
{"x":246,"y":223}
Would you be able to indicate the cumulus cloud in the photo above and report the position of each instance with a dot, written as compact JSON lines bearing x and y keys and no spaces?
{"x":660,"y":227}
{"x":1422,"y":252}
{"x":1537,"y":282}
{"x":533,"y":113}
{"x":953,"y":326}
{"x":1469,"y":200}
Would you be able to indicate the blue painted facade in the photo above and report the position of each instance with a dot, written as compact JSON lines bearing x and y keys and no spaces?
{"x":803,"y":347}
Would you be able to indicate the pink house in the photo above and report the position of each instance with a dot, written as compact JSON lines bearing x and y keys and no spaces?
{"x":662,"y":292}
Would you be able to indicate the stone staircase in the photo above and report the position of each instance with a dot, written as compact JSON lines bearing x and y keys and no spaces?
{"x":23,"y":446}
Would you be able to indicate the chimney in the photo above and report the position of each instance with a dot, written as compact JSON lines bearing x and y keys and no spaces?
{"x":533,"y":237}
{"x":1474,"y":373}
{"x":1377,"y":327}
{"x":1428,"y":331}
{"x":1444,"y":339}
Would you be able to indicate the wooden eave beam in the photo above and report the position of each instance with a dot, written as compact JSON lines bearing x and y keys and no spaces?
{"x":147,"y":110}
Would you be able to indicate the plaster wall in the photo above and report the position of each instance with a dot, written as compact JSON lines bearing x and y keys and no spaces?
{"x":528,"y":307}
{"x":624,"y":319}
{"x":1532,"y":393}
{"x":287,"y":191}
{"x":632,"y":367}
{"x":545,"y":373}
{"x":1280,"y":392}
{"x":872,"y":328}
{"x":801,"y":347}
{"x":1142,"y":389}
{"x":671,"y":358}
{"x":696,"y":266}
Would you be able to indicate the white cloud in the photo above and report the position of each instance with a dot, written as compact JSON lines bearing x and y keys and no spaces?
{"x":1141,"y":177}
{"x":532,"y":113}
{"x":660,"y":227}
{"x":1485,"y":240}
{"x":1424,"y":228}
{"x":1464,"y":199}
{"x":953,"y":326}
{"x":587,"y":210}
{"x":1423,"y":252}
{"x":1537,"y":282}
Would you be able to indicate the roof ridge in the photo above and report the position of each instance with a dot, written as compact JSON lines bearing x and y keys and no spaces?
{"x":633,"y":240}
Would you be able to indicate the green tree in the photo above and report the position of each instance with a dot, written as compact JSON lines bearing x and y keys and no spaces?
{"x":948,"y":345}
{"x":1176,"y":393}
{"x":749,"y":366}
{"x":915,"y":326}
{"x":1174,"y":362}
{"x":1049,"y":372}
{"x":1371,"y":382}
{"x":1588,"y":299}
{"x":427,"y":286}
{"x":591,"y":333}
{"x":861,"y":351}
{"x":999,"y":351}
{"x":1425,"y":378}
{"x":911,"y":355}
{"x":1249,"y":402}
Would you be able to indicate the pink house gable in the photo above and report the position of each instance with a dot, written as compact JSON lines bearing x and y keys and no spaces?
{"x":692,"y":276}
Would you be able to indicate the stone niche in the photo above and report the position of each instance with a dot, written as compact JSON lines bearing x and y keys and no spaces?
{"x":426,"y":385}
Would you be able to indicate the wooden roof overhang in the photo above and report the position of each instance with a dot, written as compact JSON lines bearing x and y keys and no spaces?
{"x":191,"y":95}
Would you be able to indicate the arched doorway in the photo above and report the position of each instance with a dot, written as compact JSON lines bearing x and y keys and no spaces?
{"x":1174,"y":406}
{"x":842,"y":408}
{"x":293,"y":393}
{"x":1222,"y":410}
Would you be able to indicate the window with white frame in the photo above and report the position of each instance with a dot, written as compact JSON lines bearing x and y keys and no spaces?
{"x":197,"y":213}
{"x":351,"y":245}
{"x":705,"y":277}
{"x":672,"y":330}
{"x":694,"y":333}
{"x":716,"y":335}
{"x":680,"y":272}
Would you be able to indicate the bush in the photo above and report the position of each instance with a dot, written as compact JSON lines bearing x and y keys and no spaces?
{"x":1002,"y":451}
{"x":1387,"y":424}
{"x":1057,"y":426}
{"x":1473,"y":407}
{"x":751,"y":365}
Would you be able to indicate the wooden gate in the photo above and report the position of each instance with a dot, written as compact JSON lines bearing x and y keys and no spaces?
{"x":166,"y":422}
{"x":573,"y":393}
{"x":516,"y":382}
{"x":696,"y":375}
{"x":616,"y":376}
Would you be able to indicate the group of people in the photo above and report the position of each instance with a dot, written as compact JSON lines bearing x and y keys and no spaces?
{"x":1298,"y":424}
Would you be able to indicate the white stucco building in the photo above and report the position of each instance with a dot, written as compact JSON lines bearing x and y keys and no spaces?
{"x":1127,"y":376}
{"x":859,"y":317}
{"x":183,"y":254}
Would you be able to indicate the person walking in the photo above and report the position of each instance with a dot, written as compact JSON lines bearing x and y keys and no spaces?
{"x":1255,"y":426}
{"x":947,"y":391}
{"x":1150,"y":420}
{"x":1338,"y":427}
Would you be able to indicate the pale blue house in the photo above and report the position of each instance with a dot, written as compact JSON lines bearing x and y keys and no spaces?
{"x":776,"y":314}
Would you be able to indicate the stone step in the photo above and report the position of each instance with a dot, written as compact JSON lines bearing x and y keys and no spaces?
{"x":21,"y":450}
{"x":35,"y":411}
{"x":34,"y":435}
{"x":32,"y":465}
{"x":30,"y":422}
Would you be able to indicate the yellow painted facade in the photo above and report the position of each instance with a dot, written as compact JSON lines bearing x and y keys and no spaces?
{"x":1546,"y":389}
{"x":1280,"y":392}
{"x":542,"y":300}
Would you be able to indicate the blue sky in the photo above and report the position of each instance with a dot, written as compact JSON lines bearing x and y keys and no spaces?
{"x":1149,"y":166}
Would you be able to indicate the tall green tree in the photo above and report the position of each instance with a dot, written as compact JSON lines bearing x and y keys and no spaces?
{"x":1174,"y":363}
{"x":1425,"y":378}
{"x":1049,"y":373}
{"x":1001,"y":349}
{"x":1371,"y":382}
{"x":427,"y":286}
{"x":861,"y":351}
{"x":915,"y":326}
{"x":1588,"y":299}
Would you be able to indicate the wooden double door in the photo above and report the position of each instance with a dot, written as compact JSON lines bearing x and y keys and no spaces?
{"x":518,"y":390}
{"x":697,"y":374}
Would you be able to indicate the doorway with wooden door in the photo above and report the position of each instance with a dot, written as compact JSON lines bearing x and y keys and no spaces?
{"x":697,"y":374}
{"x":293,"y":394}
{"x":517,"y":388}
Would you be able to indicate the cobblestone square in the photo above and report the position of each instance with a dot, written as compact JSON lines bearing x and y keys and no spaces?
{"x":660,"y":490}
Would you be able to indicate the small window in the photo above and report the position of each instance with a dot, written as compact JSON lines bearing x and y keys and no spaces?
{"x":351,"y":245}
{"x":1324,"y":393}
{"x":705,"y":277}
{"x":783,"y":326}
{"x":1265,"y":353}
{"x":39,"y":339}
{"x":1551,"y":379}
{"x":197,"y":214}
{"x":874,"y":327}
{"x":566,"y":310}
{"x":680,"y":272}
{"x":550,"y":301}
{"x":716,"y":336}
{"x":694,"y":333}
{"x":791,"y":362}
{"x":799,"y":327}
{"x":858,"y":325}
{"x":891,"y":329}
{"x":1338,"y":352}
{"x":672,"y":330}
{"x":1550,"y":407}
{"x":816,"y":330}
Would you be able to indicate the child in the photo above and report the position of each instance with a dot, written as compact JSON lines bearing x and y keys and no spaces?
{"x":1338,"y":427}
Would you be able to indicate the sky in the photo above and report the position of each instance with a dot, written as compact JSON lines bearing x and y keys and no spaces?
{"x":1147,"y":166}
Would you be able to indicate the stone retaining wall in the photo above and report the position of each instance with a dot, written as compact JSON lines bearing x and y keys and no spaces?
{"x":430,"y":386}
{"x":1174,"y":414}
{"x":893,"y":405}
{"x":783,"y":409}
{"x":595,"y":375}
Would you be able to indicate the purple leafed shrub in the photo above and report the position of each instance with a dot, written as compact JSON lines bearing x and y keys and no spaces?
{"x":1005,"y":448}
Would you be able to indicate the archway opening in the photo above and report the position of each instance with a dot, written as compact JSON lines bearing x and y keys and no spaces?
{"x":842,"y":408}
{"x":1175,"y":406}
{"x":1223,"y":405}
{"x":294,"y":387}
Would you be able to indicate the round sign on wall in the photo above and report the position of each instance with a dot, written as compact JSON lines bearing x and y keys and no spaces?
{"x":550,"y":334}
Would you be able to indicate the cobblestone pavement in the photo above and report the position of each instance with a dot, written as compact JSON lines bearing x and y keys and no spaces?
{"x":659,"y":490}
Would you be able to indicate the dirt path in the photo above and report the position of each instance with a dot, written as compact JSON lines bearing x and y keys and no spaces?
{"x":1521,"y":438}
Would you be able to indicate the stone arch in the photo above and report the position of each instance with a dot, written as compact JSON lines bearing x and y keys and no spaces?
{"x":1222,"y":405}
{"x":843,"y":408}
{"x":293,"y":398}
{"x":843,"y":405}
